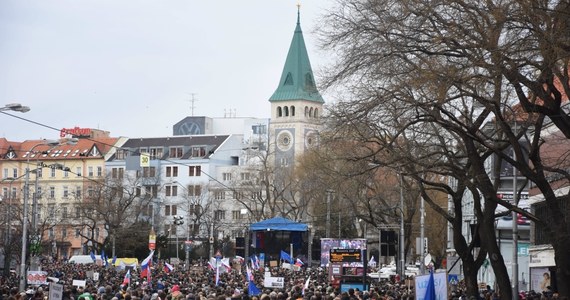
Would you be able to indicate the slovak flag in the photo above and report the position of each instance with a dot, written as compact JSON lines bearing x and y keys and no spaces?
{"x":127,"y":278}
{"x":168,"y":267}
{"x":255,"y":262}
{"x":145,"y":265}
{"x":249,"y":274}
{"x":299,"y":262}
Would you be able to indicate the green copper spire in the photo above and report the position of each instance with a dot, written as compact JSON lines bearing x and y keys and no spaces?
{"x":297,"y":81}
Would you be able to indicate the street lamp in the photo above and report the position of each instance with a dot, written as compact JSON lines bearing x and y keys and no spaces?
{"x":186,"y":245}
{"x":178,"y":220}
{"x":402,"y":236}
{"x":15,"y":107}
{"x":51,"y":143}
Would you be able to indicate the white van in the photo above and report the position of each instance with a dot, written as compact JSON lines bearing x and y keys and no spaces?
{"x":84,"y":259}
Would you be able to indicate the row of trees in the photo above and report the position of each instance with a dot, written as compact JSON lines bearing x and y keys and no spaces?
{"x":432,"y":90}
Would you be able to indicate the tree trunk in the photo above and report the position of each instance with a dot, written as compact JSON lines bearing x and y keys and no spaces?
{"x":489,"y":241}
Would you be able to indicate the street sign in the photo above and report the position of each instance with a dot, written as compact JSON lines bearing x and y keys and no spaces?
{"x":152,"y":240}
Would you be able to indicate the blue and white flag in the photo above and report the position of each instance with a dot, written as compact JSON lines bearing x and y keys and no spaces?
{"x":285,"y":256}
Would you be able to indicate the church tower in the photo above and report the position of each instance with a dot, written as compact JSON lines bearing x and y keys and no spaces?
{"x":296,"y":105}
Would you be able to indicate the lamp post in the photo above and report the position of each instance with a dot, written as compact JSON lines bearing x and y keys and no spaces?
{"x":402,"y":236}
{"x":186,"y":243}
{"x":51,"y":143}
{"x":178,"y":221}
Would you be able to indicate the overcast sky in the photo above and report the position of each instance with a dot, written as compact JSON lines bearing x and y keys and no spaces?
{"x":131,"y":66}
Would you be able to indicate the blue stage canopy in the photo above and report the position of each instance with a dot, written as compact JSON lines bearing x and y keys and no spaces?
{"x":278,"y":223}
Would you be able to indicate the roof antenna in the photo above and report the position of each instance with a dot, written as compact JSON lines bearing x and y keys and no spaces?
{"x":193,"y":103}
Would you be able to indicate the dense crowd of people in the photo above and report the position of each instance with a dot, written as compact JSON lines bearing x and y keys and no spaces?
{"x":199,"y":282}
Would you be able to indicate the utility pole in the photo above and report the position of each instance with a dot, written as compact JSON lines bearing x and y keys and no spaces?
{"x":515,"y":262}
{"x":328,"y":225}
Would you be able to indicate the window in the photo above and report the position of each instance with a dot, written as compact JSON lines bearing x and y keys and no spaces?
{"x":238,"y":195}
{"x":78,"y":213}
{"x":227,"y":176}
{"x":259,"y":129}
{"x":171,"y":171}
{"x":220,"y":195}
{"x":39,"y":193}
{"x":99,"y":171}
{"x":195,"y":210}
{"x":138,"y":191}
{"x":148,"y":172}
{"x":39,"y":172}
{"x":51,"y":233}
{"x":244,"y":176}
{"x":194,"y":190}
{"x":236,"y":215}
{"x":195,"y":229}
{"x":51,"y":211}
{"x":66,"y":173}
{"x":170,"y":210}
{"x":220,"y":214}
{"x":5,"y":174}
{"x":90,"y":191}
{"x":15,"y":171}
{"x":65,"y":192}
{"x":64,"y":212}
{"x":151,"y":190}
{"x":14,"y":192}
{"x":64,"y":232}
{"x":77,"y":233}
{"x":284,"y":162}
{"x":171,"y":190}
{"x":122,"y":154}
{"x":117,"y":173}
{"x":52,"y":192}
{"x":78,"y":191}
{"x":90,"y":171}
{"x":155,"y":153}
{"x":5,"y":192}
{"x":175,"y":152}
{"x":52,"y":172}
{"x":195,"y":171}
{"x":78,"y":172}
{"x":198,"y":151}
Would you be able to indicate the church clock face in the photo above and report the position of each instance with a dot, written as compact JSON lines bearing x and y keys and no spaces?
{"x":285,"y":140}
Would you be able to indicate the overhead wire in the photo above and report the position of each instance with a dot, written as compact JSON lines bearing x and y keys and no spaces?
{"x":116,"y":147}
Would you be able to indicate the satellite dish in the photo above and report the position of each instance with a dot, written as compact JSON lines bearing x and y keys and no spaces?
{"x":427,"y":260}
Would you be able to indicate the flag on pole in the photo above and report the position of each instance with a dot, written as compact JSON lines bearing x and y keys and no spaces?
{"x":430,"y":290}
{"x":225,"y":264}
{"x":93,"y":256}
{"x":306,"y":286}
{"x":145,"y":265}
{"x":255,"y":262}
{"x":252,"y":288}
{"x":299,"y":262}
{"x":217,"y":274}
{"x":372,"y":262}
{"x":285,"y":256}
{"x":168,"y":267}
{"x":127,"y":278}
{"x":104,"y":258}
